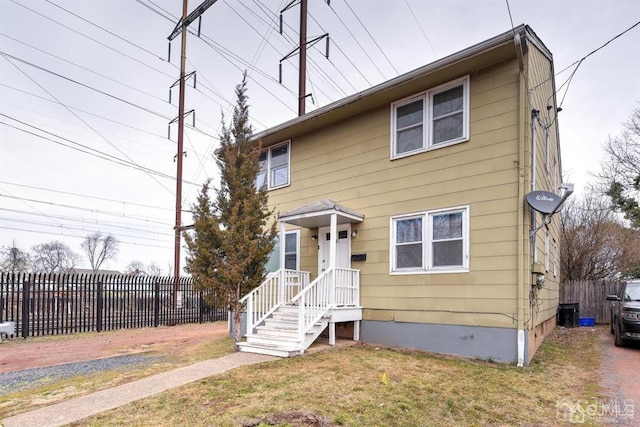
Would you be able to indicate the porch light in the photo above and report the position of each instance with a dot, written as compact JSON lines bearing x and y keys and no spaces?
{"x":314,"y":237}
{"x":354,"y":233}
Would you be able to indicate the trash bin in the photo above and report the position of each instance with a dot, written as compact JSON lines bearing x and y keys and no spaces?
{"x":569,"y":315}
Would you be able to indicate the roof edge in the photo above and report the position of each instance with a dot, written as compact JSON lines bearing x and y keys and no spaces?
{"x":507,"y":37}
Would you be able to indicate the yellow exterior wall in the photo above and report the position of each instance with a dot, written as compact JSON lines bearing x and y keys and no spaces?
{"x":350,"y":163}
{"x":544,"y":303}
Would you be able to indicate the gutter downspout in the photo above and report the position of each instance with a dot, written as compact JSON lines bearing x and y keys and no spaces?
{"x":522,"y":172}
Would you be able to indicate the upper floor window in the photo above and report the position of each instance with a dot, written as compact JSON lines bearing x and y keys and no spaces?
{"x":430,"y":241}
{"x":274,"y":167}
{"x":432,"y":119}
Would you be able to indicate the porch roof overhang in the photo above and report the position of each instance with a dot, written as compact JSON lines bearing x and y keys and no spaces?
{"x":319,"y":214}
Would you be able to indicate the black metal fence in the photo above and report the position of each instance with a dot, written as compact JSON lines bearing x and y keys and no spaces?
{"x":52,"y":304}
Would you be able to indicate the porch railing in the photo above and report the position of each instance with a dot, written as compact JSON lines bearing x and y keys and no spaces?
{"x":336,"y":287}
{"x":276,"y":290}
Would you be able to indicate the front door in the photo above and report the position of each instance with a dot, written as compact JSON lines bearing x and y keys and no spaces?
{"x":344,"y":247}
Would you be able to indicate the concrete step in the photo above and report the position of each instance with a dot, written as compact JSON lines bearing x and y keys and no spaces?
{"x":270,"y":350}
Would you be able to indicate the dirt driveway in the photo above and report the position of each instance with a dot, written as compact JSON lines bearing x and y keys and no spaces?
{"x":37,"y":352}
{"x":620,"y":377}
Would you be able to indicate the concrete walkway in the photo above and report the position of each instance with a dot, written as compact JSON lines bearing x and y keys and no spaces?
{"x":82,"y":407}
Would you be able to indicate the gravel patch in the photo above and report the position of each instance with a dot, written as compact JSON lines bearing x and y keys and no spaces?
{"x":29,"y":378}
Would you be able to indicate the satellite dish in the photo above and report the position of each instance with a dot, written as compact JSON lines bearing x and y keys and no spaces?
{"x":544,"y":202}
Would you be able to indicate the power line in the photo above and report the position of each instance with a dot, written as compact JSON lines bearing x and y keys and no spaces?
{"x":347,"y":56}
{"x":71,"y":228}
{"x":7,"y":56}
{"x":148,"y":150}
{"x":26,"y":203}
{"x":87,"y":69}
{"x":154,"y":220}
{"x":227,"y":54}
{"x":79,"y":237}
{"x":269,"y":27}
{"x":92,"y":39}
{"x":422,"y":29}
{"x":87,"y":150}
{"x":87,"y":196}
{"x":331,"y":82}
{"x":579,"y":61}
{"x":166,"y":14}
{"x":164,"y":138}
{"x":372,"y":38}
{"x":110,"y":224}
{"x":166,"y":118}
{"x":131,"y":161}
{"x":107,"y":31}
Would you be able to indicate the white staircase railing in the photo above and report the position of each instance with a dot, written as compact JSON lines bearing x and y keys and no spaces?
{"x":276,"y":290}
{"x":336,"y":287}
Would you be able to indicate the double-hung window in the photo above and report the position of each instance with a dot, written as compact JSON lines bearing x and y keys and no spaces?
{"x":274,"y":167}
{"x":431,"y":119}
{"x":433,"y":241}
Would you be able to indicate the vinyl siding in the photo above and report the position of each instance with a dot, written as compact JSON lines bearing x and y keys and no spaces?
{"x":540,"y":80}
{"x":349,"y":162}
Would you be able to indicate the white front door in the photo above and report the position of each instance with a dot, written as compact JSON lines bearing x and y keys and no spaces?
{"x":344,"y":247}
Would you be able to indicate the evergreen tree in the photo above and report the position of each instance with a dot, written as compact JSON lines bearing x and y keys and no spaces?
{"x":231,"y":241}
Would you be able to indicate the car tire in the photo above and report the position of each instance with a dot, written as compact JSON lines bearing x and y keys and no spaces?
{"x":613,"y":331}
{"x":618,"y":339}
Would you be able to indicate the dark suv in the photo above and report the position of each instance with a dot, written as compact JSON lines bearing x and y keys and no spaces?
{"x":625,"y":313}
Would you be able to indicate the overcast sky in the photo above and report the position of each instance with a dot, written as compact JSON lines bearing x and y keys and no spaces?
{"x":84,"y":91}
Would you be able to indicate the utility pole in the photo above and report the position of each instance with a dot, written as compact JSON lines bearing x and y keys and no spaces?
{"x":302,"y":78}
{"x":181,"y":27}
{"x":302,"y":48}
{"x":179,"y":157}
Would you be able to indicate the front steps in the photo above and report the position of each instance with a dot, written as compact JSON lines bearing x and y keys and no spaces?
{"x":279,"y":334}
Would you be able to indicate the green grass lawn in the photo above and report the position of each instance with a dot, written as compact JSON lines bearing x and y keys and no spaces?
{"x":367,"y":386}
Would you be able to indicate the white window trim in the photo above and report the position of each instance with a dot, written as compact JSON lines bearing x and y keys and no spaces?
{"x":427,"y":119}
{"x":268,"y":177}
{"x":426,"y":242}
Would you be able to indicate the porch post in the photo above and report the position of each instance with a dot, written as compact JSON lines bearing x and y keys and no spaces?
{"x":281,"y":279}
{"x":333,"y":260}
{"x":333,"y":244}
{"x":332,"y":333}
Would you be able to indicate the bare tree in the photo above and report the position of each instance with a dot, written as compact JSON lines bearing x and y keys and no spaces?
{"x":619,"y":177}
{"x":99,"y":248}
{"x":595,"y":242}
{"x":154,"y":269}
{"x":14,"y":259}
{"x":136,"y":268}
{"x":54,"y":257}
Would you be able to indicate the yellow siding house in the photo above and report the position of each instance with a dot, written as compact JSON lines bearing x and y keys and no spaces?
{"x":403,"y":213}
